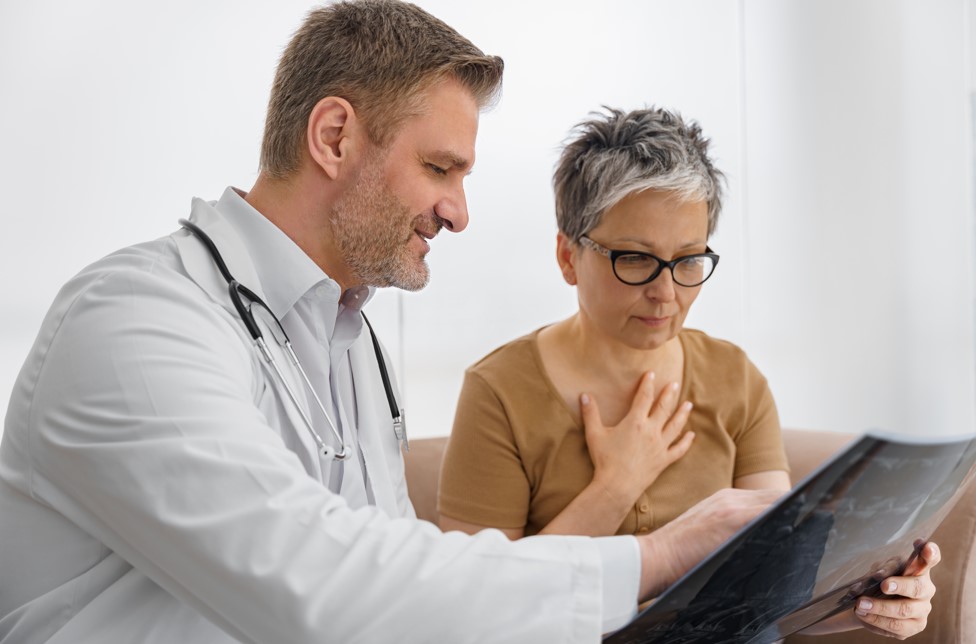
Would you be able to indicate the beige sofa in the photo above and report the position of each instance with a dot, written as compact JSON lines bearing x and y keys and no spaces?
{"x":953,"y":619}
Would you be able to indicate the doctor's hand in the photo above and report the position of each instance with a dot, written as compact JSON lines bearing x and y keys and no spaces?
{"x":628,"y":457}
{"x":671,"y":551}
{"x":907,"y":612}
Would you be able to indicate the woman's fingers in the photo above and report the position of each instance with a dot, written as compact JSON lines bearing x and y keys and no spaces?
{"x":590,"y":411}
{"x":893,"y":608}
{"x":906,"y":611}
{"x":646,"y":441}
{"x":672,"y":429}
{"x":899,"y":629}
{"x":643,"y":402}
{"x":899,"y":618}
{"x":681,"y":447}
{"x":664,"y":406}
{"x":914,"y":587}
{"x":929,"y":557}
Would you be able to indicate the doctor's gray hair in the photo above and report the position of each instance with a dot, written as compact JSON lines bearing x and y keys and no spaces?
{"x":381,"y":56}
{"x":617,"y":154}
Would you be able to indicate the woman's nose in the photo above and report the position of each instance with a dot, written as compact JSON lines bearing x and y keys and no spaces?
{"x":661,"y":288}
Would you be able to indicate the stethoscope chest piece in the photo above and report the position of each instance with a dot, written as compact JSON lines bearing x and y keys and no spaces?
{"x":400,"y":429}
{"x":329,"y":453}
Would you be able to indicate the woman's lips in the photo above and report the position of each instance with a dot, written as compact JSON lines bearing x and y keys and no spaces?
{"x":654,"y":322}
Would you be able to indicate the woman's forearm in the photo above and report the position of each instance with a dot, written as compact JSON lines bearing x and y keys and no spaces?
{"x":595,"y":512}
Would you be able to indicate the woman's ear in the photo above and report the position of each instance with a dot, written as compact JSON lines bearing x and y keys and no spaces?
{"x":566,"y":256}
{"x":333,"y":132}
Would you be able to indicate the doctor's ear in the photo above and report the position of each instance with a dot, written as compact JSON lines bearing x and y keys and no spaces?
{"x":333,"y":131}
{"x":566,"y":257}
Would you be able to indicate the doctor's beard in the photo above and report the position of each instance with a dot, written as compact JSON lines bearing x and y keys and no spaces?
{"x":373,"y":231}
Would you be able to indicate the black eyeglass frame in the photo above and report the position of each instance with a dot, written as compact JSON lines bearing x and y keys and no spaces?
{"x":614,"y":254}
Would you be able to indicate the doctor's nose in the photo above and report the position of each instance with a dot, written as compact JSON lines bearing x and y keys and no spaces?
{"x":452,"y":211}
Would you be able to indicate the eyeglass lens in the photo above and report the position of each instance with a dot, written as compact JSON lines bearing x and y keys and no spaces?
{"x":637,"y":269}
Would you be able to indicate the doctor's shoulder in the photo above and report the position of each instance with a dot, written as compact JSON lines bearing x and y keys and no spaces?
{"x":140,"y":298}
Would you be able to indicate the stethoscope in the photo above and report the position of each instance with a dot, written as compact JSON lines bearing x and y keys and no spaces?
{"x":238,"y":292}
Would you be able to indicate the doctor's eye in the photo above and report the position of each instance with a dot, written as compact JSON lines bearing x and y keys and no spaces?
{"x":436,"y":169}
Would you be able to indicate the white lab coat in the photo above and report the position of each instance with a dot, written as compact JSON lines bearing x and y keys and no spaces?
{"x":150,"y":490}
{"x":375,"y":438}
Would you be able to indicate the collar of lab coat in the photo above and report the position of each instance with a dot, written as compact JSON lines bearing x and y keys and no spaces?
{"x":251,"y":246}
{"x":200,"y":265}
{"x":287,"y":272}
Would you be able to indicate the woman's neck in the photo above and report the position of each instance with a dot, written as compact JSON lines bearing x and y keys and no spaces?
{"x":610,"y":361}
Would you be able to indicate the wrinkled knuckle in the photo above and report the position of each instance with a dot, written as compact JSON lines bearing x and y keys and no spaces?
{"x":917,"y":589}
{"x":895,"y":626}
{"x":904,"y":610}
{"x":877,"y":620}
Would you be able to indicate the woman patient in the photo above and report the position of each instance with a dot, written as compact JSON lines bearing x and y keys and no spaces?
{"x":618,"y":419}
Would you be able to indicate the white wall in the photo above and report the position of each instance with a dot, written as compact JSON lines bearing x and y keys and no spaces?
{"x":861,"y":220}
{"x":844,"y":128}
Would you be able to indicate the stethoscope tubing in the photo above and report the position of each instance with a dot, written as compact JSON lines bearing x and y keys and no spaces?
{"x":235,"y":289}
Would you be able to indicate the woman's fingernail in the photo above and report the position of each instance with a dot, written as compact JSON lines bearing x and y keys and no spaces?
{"x":687,"y":405}
{"x":585,"y":399}
{"x":864,"y":606}
{"x":891,"y":587}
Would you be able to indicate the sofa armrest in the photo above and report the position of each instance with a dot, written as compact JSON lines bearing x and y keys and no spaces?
{"x":423,"y":471}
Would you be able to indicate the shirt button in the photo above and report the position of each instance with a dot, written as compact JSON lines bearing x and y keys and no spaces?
{"x":644,"y":507}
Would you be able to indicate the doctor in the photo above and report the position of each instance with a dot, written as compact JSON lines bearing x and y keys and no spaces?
{"x":165,"y":479}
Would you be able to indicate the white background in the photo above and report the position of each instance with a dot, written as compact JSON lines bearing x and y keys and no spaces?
{"x":844,"y":127}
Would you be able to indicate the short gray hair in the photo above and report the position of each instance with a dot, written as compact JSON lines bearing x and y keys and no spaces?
{"x":616,"y":154}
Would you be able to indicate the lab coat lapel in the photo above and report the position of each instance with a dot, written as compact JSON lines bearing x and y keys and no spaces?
{"x":201,"y":269}
{"x":380,"y":449}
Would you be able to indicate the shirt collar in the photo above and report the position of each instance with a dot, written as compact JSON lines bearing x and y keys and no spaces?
{"x":287,"y":273}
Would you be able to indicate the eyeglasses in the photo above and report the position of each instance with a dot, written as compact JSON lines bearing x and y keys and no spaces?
{"x":635,"y":268}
